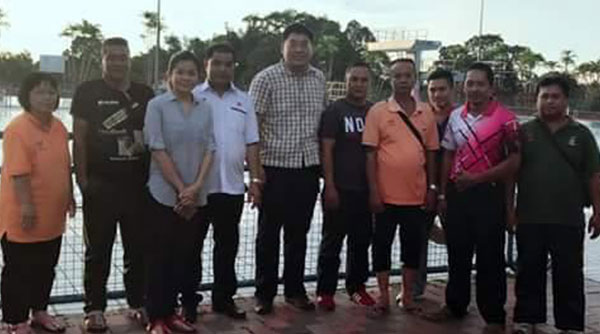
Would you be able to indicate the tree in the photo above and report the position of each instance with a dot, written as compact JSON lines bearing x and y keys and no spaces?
{"x":84,"y":55}
{"x":567,"y":59}
{"x":14,"y":67}
{"x":3,"y":20}
{"x":551,"y":65}
{"x":589,"y":71}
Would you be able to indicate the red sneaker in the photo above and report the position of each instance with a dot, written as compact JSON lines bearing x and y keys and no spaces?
{"x":177,"y":323}
{"x":326,"y":302}
{"x":362,"y":297}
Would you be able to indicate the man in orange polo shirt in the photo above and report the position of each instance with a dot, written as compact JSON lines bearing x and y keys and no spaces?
{"x":401,"y":139}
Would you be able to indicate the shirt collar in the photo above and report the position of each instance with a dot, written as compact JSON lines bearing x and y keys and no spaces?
{"x":492,"y":106}
{"x":172,"y":98}
{"x":394,"y":106}
{"x":309,"y":71}
{"x":205,"y":86}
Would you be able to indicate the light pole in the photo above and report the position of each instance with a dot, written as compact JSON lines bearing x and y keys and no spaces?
{"x":481,"y":8}
{"x":157,"y":49}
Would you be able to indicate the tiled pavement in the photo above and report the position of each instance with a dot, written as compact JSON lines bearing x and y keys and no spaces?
{"x":347,"y":319}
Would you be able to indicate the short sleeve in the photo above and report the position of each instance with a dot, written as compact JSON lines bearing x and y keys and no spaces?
{"x":432,"y":140}
{"x":210,"y":130}
{"x":329,"y":123}
{"x":251,"y":125}
{"x":261,"y":94}
{"x":153,"y":134}
{"x":80,"y":104}
{"x":591,"y":163}
{"x":449,"y":142}
{"x":512,"y":135}
{"x":371,"y":135}
{"x":18,"y":158}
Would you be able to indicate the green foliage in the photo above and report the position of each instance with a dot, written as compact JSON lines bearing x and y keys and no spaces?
{"x":14,"y":68}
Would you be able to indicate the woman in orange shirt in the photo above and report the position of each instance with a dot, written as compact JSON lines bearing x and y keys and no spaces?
{"x":35,"y":196}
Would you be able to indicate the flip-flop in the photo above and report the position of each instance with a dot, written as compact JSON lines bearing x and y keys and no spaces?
{"x":410,"y":309}
{"x":50,"y":325}
{"x":378,"y":310}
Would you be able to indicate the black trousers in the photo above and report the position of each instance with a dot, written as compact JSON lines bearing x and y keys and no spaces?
{"x":224,"y":213}
{"x":352,"y":219}
{"x":107,"y":203}
{"x":288,"y":201}
{"x":564,"y":244}
{"x":172,"y":258}
{"x":475,"y":224}
{"x":411,"y":222}
{"x":421,"y":281}
{"x":27,"y":277}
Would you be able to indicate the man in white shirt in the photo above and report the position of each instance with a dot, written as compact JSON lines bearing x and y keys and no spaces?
{"x":236,"y":136}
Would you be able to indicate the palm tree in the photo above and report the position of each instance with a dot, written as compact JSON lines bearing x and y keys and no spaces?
{"x":551,"y":65}
{"x":567,"y":58}
{"x":3,"y":21}
{"x":86,"y":41}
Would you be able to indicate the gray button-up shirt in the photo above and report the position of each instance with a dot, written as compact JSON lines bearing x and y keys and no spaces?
{"x":186,"y":138}
{"x":289,"y":107}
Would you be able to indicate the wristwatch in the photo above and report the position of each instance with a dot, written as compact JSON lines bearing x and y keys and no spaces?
{"x":256,"y":180}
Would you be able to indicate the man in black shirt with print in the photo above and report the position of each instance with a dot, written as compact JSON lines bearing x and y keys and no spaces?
{"x":346,"y":196}
{"x":111,"y":169}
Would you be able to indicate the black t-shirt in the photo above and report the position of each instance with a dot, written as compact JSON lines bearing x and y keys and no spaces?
{"x":115,"y":146}
{"x":345,"y":123}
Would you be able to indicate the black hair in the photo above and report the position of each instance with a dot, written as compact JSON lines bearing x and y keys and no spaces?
{"x":114,"y":41}
{"x":183,"y":56}
{"x":297,"y":28}
{"x":485,"y":68}
{"x":220,"y":48}
{"x":358,"y":64}
{"x":554,"y":79}
{"x":31,"y":81}
{"x":441,"y":74}
{"x":404,"y":60}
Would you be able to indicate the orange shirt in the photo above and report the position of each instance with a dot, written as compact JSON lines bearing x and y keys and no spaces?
{"x":43,"y":154}
{"x":401,"y":174}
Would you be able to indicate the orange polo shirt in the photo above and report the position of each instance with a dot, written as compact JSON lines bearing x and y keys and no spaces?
{"x":43,"y":154}
{"x":401,"y":174}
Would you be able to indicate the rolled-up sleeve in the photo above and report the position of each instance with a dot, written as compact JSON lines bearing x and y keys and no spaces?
{"x":153,"y":134}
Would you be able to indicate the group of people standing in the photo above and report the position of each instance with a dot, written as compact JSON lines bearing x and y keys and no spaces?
{"x":163,"y":168}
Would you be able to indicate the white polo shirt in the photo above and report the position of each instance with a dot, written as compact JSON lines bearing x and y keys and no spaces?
{"x":235,"y":127}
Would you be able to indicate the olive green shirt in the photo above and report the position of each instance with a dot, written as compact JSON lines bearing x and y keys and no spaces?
{"x":550,"y":191}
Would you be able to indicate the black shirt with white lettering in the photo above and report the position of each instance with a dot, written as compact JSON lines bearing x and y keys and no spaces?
{"x":115,"y":146}
{"x":345,"y":122}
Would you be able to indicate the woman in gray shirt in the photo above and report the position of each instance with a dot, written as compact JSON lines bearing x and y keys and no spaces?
{"x":178,"y":130}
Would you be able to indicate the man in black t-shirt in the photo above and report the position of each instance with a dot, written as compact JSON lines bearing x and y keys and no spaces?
{"x":346,"y":196}
{"x":111,"y":167}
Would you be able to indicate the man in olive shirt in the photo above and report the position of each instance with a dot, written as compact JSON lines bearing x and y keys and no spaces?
{"x":559,"y":170}
{"x":111,"y":167}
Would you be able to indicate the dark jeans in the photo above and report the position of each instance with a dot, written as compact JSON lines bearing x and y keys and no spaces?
{"x":475,"y":224}
{"x":411,"y":220}
{"x":172,"y":258}
{"x":288,"y":201}
{"x":564,"y":244}
{"x":421,"y":281}
{"x":106,"y":203}
{"x":27,"y":277}
{"x":224,"y":213}
{"x":352,"y":219}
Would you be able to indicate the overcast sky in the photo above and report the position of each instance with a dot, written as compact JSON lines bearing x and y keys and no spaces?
{"x":547,"y":26}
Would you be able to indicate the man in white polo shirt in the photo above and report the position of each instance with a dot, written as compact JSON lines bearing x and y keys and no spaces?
{"x":236,"y":135}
